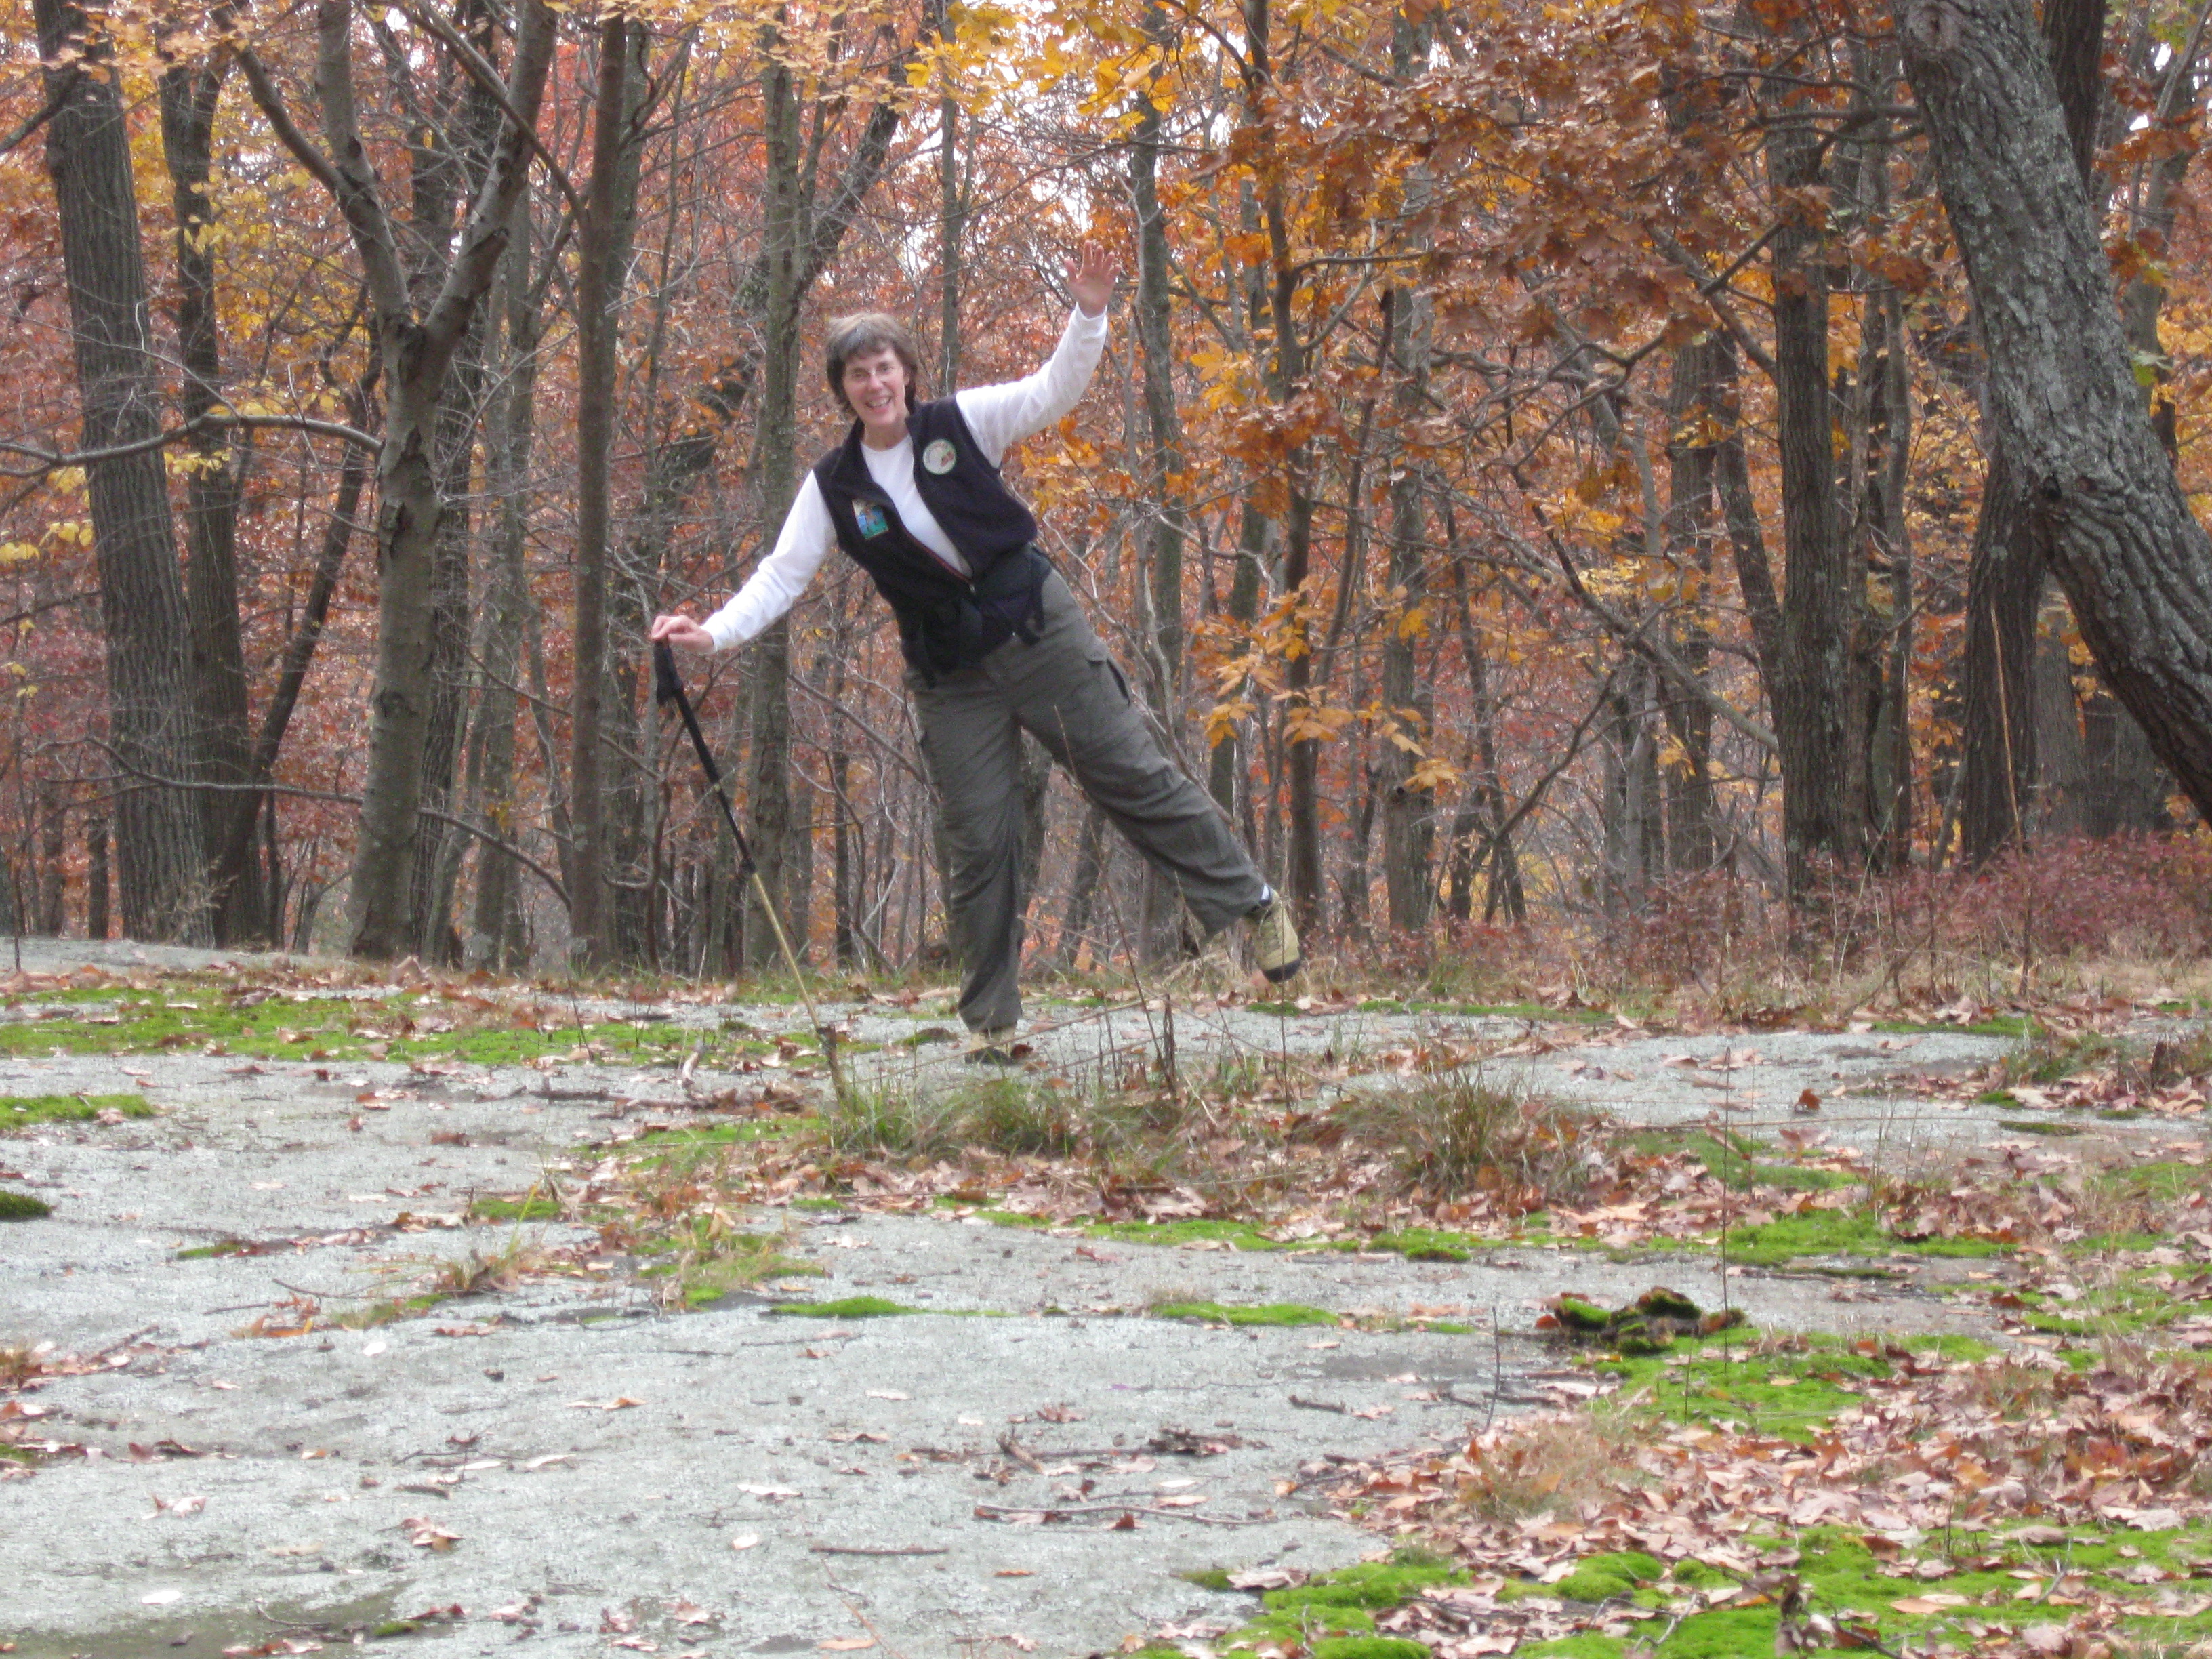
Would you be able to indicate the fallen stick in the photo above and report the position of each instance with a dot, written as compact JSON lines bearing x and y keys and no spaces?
{"x":1000,"y":1512}
{"x":1319,"y":1406}
{"x":862,"y":1549}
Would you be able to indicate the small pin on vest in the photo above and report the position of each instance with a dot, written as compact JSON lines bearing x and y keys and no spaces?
{"x":940,"y":457}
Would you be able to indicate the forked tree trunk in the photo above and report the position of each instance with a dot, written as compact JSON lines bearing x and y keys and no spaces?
{"x":418,"y":350}
{"x":1997,"y":728}
{"x":2132,"y":558}
{"x":160,"y":841}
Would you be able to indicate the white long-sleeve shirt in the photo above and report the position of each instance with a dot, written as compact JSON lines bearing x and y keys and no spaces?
{"x":999,"y":415}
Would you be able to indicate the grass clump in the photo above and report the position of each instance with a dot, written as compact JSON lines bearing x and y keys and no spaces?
{"x":21,"y":1207}
{"x":28,"y":1111}
{"x":708,"y":1258}
{"x":884,"y":1120}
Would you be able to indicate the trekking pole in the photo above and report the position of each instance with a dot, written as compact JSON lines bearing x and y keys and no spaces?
{"x":668,"y":687}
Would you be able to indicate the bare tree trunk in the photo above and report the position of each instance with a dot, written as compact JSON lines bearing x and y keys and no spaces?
{"x":53,"y":845}
{"x":1690,"y":420}
{"x":159,"y":838}
{"x":768,"y":659}
{"x":189,"y":91}
{"x":1997,"y":727}
{"x":96,"y":885}
{"x":1406,"y":810}
{"x":1286,"y":373}
{"x":496,"y":933}
{"x":1811,"y":698}
{"x":603,"y":258}
{"x":2131,"y":556}
{"x":1160,"y":911}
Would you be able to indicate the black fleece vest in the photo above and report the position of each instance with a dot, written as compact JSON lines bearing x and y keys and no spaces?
{"x":946,"y":620}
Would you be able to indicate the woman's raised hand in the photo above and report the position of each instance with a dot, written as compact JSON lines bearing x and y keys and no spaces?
{"x":680,"y":631}
{"x":1092,"y":275}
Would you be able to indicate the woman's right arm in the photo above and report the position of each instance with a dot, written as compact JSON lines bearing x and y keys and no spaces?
{"x":774,"y":587}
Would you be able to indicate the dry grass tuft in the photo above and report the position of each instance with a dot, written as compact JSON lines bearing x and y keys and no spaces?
{"x":1560,"y":1463}
{"x":1456,"y":1135}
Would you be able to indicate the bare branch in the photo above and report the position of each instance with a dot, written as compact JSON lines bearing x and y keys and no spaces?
{"x":473,"y":64}
{"x":57,"y":95}
{"x":47,"y":460}
{"x":552,"y":881}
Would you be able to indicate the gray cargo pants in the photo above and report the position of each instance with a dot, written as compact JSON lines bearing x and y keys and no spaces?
{"x":1068,"y":692}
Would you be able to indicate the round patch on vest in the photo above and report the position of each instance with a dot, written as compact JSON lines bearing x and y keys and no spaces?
{"x":940,"y":457}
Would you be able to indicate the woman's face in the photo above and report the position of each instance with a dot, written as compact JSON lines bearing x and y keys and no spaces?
{"x":875,"y":386}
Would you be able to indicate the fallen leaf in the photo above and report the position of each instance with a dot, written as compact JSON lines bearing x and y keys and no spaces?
{"x":1935,"y":1602}
{"x":744,"y":1541}
{"x":886,"y":1393}
{"x":429,"y":1535}
{"x":773,"y":1494}
{"x":1013,"y":1572}
{"x":846,"y":1643}
{"x":605,"y":1404}
{"x":690,"y":1612}
{"x":161,"y":1598}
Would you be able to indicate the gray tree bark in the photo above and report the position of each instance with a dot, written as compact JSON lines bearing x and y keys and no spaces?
{"x":159,"y":836}
{"x":2133,"y":560}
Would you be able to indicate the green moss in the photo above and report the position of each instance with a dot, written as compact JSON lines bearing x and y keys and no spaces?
{"x":1608,"y":1577}
{"x":2000,"y":1025}
{"x":1590,"y":1646}
{"x":1269,"y":1313}
{"x":1425,"y":1244}
{"x":1840,"y":1232}
{"x":1212,"y":1578}
{"x":851,"y":1307}
{"x":335,"y":1027}
{"x":1373,"y":1584}
{"x":1239,"y":1235}
{"x":27,"y":1111}
{"x":1791,"y":1396}
{"x":1369,"y":1647}
{"x":21,"y":1207}
{"x":222,"y":1247}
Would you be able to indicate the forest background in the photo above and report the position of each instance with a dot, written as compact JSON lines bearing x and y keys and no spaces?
{"x":1550,"y":472}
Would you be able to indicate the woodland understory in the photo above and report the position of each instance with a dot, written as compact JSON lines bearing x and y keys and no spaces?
{"x":1551,"y":469}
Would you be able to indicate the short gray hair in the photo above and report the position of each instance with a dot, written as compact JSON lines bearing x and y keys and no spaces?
{"x":863,"y":334}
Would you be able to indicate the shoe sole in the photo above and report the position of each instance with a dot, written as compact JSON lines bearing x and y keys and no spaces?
{"x":1277,"y":975}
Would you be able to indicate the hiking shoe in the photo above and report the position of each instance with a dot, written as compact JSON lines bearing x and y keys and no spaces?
{"x":994,"y":1046}
{"x":1274,"y":941}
